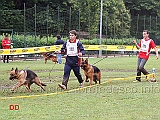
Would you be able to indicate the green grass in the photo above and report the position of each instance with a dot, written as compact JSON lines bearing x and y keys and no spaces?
{"x":116,"y":100}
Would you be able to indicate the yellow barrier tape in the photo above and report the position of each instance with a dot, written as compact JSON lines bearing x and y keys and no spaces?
{"x":17,"y":51}
{"x":69,"y":91}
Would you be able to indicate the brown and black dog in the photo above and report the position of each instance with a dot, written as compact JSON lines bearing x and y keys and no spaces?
{"x":49,"y":56}
{"x":91,"y":72}
{"x":25,"y":77}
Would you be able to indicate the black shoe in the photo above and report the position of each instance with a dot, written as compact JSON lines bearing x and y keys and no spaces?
{"x":136,"y":81}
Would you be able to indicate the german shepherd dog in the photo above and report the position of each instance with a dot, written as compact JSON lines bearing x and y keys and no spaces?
{"x":49,"y":56}
{"x":25,"y":77}
{"x":91,"y":72}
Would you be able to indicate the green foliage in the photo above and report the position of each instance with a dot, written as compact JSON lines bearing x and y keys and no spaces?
{"x":31,"y":41}
{"x":118,"y":19}
{"x":143,"y":7}
{"x":89,"y":14}
{"x":60,"y":16}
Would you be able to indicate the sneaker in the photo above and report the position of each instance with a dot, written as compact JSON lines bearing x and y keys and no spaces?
{"x":136,"y":81}
{"x":81,"y":85}
{"x":62,"y":86}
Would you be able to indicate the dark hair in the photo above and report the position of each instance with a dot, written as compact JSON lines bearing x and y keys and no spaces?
{"x":73,"y":32}
{"x":146,"y":31}
{"x":58,"y":37}
{"x":6,"y":35}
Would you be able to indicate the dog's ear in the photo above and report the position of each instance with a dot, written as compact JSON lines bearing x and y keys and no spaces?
{"x":16,"y":70}
{"x":12,"y":69}
{"x":86,"y":60}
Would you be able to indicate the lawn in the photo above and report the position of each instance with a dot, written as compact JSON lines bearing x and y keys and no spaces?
{"x":117,"y":98}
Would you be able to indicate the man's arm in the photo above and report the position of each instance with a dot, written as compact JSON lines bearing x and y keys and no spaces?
{"x":62,"y":51}
{"x":81,"y":49}
{"x":156,"y":50}
{"x":137,"y":46}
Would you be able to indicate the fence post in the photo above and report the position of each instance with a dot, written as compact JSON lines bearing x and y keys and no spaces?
{"x":144,"y":21}
{"x":137,"y":26}
{"x":79,"y":22}
{"x":69,"y":18}
{"x":150,"y":23}
{"x":35,"y":25}
{"x":58,"y":21}
{"x":24,"y":25}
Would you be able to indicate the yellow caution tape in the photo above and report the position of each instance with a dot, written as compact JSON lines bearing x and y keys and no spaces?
{"x":17,"y":51}
{"x":70,"y":91}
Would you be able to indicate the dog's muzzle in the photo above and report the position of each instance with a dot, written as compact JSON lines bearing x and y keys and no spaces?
{"x":12,"y":78}
{"x":82,"y":66}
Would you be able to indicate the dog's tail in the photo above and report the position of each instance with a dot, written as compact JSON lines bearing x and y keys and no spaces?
{"x":43,"y":84}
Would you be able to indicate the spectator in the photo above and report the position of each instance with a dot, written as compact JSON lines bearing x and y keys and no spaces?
{"x":59,"y":42}
{"x":6,"y":44}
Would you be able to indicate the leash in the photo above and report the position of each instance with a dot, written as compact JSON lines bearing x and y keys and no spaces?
{"x":34,"y":64}
{"x":99,"y":60}
{"x":50,"y":73}
{"x":30,"y":65}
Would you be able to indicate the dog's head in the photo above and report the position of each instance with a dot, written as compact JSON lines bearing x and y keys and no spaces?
{"x":14,"y":74}
{"x":44,"y":54}
{"x":84,"y":63}
{"x":54,"y":59}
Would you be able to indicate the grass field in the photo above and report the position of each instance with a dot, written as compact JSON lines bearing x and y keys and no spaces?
{"x":117,"y":98}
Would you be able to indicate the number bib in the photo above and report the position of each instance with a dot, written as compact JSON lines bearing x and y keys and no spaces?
{"x":145,"y":45}
{"x":72,"y":48}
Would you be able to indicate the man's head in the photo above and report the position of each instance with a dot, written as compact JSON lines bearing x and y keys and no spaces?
{"x":72,"y":35}
{"x":73,"y":32}
{"x":58,"y":37}
{"x":6,"y":35}
{"x":145,"y":34}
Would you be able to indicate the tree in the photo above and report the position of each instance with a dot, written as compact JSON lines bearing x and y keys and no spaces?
{"x":118,"y":19}
{"x":89,"y":11}
{"x":143,"y":7}
{"x":144,"y":15}
{"x":8,"y":16}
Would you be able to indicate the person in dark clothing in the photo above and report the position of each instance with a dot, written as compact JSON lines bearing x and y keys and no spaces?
{"x":74,"y":50}
{"x":59,"y":42}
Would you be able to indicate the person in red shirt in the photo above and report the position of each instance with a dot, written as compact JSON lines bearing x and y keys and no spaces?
{"x":144,"y":47}
{"x":6,"y":44}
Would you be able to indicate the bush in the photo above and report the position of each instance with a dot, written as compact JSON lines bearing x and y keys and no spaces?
{"x":21,"y":41}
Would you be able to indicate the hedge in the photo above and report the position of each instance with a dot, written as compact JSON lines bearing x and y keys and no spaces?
{"x":38,"y":41}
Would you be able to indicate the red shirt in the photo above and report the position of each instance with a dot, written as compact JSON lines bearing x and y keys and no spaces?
{"x":146,"y":46}
{"x":6,"y":43}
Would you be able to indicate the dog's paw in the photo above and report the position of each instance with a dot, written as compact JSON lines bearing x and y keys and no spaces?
{"x":86,"y":80}
{"x":12,"y":91}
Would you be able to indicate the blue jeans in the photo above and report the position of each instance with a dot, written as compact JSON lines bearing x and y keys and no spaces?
{"x":140,"y":68}
{"x":59,"y":58}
